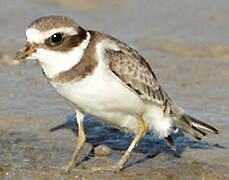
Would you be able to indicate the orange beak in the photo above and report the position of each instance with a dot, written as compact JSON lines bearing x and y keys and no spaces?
{"x":30,"y":49}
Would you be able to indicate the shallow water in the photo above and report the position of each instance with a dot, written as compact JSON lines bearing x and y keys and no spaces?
{"x":186,"y":43}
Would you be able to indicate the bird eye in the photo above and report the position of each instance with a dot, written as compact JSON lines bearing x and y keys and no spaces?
{"x":57,"y":37}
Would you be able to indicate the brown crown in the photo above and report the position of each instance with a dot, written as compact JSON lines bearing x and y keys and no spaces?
{"x":49,"y":22}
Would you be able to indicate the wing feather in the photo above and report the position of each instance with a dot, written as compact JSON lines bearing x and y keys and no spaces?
{"x":136,"y":73}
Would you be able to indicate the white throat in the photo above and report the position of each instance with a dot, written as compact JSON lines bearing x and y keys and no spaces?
{"x":54,"y":62}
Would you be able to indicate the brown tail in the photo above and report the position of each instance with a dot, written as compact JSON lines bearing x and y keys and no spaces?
{"x":194,"y":127}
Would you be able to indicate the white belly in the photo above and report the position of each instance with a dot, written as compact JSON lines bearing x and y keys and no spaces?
{"x":105,"y":97}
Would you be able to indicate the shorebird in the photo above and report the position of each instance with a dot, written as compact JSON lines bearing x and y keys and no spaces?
{"x":108,"y":79}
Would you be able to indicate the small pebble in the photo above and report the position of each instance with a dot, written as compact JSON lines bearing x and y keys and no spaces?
{"x":102,"y":150}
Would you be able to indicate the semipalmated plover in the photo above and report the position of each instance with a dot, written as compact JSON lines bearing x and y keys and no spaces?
{"x":108,"y":79}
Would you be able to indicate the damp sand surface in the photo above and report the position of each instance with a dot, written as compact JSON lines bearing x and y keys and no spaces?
{"x":187,"y":45}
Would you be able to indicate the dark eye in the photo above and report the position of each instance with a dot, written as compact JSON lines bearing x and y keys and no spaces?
{"x":55,"y":38}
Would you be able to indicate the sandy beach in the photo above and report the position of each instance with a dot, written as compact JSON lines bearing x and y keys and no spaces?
{"x":187,"y":45}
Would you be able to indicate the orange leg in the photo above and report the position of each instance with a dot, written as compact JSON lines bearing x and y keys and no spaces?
{"x":142,"y":129}
{"x":80,"y":141}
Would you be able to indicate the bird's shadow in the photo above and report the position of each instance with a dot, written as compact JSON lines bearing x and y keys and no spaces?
{"x":98,"y":133}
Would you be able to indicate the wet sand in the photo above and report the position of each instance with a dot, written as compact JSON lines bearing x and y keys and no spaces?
{"x":185,"y":42}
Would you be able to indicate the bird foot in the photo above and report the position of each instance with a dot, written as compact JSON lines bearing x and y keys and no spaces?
{"x":113,"y":168}
{"x":68,"y":168}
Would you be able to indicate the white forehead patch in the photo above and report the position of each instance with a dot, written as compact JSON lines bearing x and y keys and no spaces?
{"x":34,"y":35}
